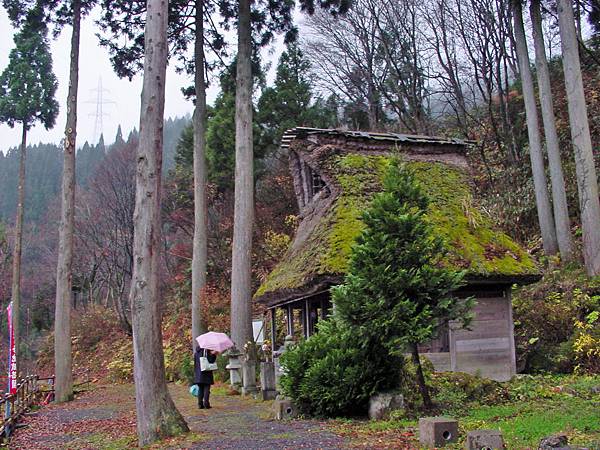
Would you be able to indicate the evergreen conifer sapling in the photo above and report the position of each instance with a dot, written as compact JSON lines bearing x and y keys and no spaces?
{"x":397,"y":291}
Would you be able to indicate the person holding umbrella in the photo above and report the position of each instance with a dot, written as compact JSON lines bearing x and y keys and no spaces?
{"x":209,"y":346}
{"x":204,"y":378}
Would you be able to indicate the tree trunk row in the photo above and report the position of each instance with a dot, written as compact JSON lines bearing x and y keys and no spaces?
{"x":587,"y":181}
{"x":16,"y":263}
{"x":544,"y":208}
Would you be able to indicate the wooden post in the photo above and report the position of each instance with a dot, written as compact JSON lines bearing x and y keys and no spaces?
{"x":273,"y":330}
{"x":290,"y":320}
{"x":306,"y":321}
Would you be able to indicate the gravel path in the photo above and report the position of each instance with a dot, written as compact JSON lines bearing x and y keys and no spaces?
{"x":234,"y":423}
{"x":104,"y":418}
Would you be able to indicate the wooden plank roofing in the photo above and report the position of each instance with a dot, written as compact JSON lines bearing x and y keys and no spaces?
{"x":303,"y":132}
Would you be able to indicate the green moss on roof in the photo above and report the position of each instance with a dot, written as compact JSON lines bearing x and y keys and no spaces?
{"x":473,"y":243}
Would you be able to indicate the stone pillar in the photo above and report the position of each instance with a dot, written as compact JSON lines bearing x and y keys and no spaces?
{"x":267,"y":380}
{"x":249,"y":377}
{"x":235,"y":368}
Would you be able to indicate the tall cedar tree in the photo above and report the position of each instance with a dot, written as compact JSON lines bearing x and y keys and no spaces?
{"x":27,"y":88}
{"x":63,"y":361}
{"x":157,"y":416}
{"x":243,"y":213}
{"x":200,"y":240}
{"x":542,"y":199}
{"x":397,"y":291}
{"x":63,"y":13}
{"x":248,"y":20}
{"x":587,"y":181}
{"x":559,"y":196}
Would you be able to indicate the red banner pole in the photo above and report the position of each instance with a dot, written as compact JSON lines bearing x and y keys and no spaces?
{"x":12,"y":356}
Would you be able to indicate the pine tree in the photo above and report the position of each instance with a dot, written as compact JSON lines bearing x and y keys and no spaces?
{"x":289,"y":102}
{"x":27,"y":88}
{"x":396,"y":291}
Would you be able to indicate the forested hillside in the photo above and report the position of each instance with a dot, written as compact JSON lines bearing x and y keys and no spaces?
{"x":44,"y":170}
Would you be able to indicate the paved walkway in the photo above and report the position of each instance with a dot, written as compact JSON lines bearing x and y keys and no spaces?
{"x":104,"y":418}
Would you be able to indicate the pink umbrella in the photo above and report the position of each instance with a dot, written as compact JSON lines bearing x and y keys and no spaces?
{"x":218,"y":342}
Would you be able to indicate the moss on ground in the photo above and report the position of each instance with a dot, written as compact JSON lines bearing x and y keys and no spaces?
{"x":472,"y":241}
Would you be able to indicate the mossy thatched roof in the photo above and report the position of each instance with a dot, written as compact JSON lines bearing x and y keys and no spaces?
{"x":319,"y":255}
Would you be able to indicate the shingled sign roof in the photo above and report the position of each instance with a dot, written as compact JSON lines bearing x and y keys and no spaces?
{"x":335,"y":175}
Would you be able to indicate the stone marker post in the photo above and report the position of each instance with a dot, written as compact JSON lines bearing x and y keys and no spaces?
{"x":249,"y":370}
{"x":267,"y":380}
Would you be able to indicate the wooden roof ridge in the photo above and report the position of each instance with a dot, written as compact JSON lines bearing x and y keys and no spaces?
{"x":303,"y":132}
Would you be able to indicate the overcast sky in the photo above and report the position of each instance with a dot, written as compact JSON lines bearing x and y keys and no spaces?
{"x":93,"y":65}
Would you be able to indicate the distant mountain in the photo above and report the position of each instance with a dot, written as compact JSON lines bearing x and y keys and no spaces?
{"x":44,"y":170}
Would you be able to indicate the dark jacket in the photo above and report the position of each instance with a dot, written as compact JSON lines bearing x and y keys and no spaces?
{"x":203,"y":377}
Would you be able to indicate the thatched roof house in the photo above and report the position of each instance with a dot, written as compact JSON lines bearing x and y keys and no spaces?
{"x":335,"y":174}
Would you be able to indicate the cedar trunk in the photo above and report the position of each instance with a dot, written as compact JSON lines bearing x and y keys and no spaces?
{"x":241,"y":310}
{"x":542,"y":200}
{"x":559,"y":196}
{"x":199,"y":257}
{"x":157,"y":416}
{"x":16,"y":265}
{"x":62,"y":323}
{"x":587,"y":183}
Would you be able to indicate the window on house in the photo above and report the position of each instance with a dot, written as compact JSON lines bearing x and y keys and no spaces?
{"x":317,"y":183}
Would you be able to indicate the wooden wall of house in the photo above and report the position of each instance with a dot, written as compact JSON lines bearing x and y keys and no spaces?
{"x":487,"y":346}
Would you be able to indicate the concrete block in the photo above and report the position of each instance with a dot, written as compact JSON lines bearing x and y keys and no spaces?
{"x":437,"y":431}
{"x":285,"y":409}
{"x":484,"y":440}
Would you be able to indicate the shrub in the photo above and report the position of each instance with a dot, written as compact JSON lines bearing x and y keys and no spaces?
{"x":547,"y":315}
{"x":335,"y":373}
{"x":586,"y":345}
{"x":120,"y":368}
{"x":455,"y":391}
